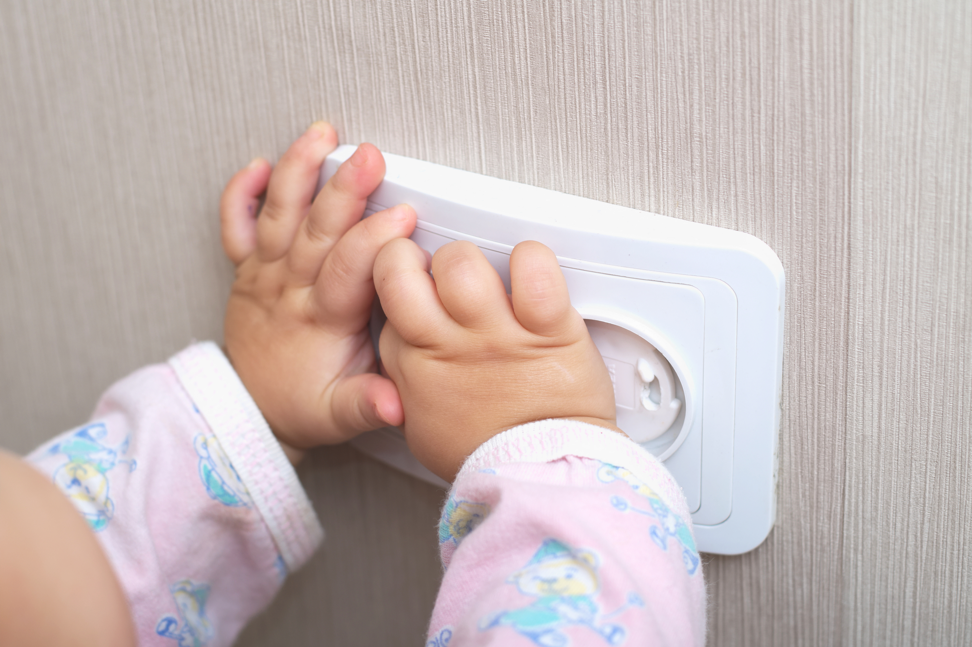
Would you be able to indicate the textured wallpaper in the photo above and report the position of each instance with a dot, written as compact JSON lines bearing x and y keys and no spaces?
{"x":907,"y":561}
{"x":837,"y":132}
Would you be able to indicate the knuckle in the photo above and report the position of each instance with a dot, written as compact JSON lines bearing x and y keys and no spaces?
{"x":272,"y":207}
{"x":539,"y":287}
{"x":315,"y":232}
{"x":341,"y":269}
{"x":344,"y":186}
{"x":456,"y":259}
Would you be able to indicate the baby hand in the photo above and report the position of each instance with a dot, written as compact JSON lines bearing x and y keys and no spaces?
{"x":470,"y":361}
{"x":296,"y":323}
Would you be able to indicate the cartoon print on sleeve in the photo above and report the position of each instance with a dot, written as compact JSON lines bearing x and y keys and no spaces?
{"x":669,"y":523}
{"x":459,"y":518}
{"x":196,"y":630}
{"x":564,"y":581}
{"x":83,"y":478}
{"x":218,"y":474}
{"x":441,"y":639}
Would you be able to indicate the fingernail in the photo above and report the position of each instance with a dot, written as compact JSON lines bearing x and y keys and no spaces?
{"x":400,"y":212}
{"x":359,"y":158}
{"x":255,"y":162}
{"x":316,"y":130}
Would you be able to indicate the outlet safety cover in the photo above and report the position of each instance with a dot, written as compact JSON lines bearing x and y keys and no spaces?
{"x":688,"y":318}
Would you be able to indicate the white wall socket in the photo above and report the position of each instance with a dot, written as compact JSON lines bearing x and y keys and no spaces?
{"x":688,"y":317}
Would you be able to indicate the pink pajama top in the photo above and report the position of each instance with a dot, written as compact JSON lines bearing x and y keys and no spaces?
{"x":555,"y":533}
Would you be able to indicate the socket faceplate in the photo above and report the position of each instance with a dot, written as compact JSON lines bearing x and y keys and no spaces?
{"x":702,"y":296}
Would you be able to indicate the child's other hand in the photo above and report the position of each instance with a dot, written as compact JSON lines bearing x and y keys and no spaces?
{"x":471,"y":362}
{"x":297,"y":320}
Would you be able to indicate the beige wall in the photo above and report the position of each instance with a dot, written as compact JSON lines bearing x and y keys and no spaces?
{"x":838,"y":132}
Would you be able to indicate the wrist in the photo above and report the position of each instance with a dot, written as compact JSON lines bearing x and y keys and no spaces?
{"x":293,"y":454}
{"x":548,"y":440}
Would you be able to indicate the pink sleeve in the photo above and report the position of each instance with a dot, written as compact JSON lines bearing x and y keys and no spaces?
{"x":193,"y":500}
{"x":561,"y":533}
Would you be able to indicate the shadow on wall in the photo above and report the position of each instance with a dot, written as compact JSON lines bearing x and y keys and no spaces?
{"x":384,"y":567}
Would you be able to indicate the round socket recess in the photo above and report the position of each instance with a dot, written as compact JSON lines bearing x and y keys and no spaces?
{"x":653,"y":397}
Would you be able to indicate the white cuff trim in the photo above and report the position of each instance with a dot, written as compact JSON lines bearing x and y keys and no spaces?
{"x":549,"y":440}
{"x":245,"y":436}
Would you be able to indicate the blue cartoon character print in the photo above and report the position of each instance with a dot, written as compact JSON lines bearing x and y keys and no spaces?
{"x":459,"y":518}
{"x":192,"y":628}
{"x":84,"y":477}
{"x":669,"y":526}
{"x":441,"y":639}
{"x":564,"y":582}
{"x":218,"y":475}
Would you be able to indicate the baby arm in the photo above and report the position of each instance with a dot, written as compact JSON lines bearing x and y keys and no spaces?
{"x":183,"y":473}
{"x":558,"y":529}
{"x":56,"y":585}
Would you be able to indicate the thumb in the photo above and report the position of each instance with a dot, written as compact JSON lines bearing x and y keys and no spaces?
{"x":364,"y":402}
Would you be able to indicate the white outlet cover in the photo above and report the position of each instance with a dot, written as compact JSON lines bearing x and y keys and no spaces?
{"x":710,"y":300}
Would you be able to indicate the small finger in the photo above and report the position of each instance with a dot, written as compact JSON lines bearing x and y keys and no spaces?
{"x":291,"y":189}
{"x":337,"y":208}
{"x":408,"y":294}
{"x":364,"y":402}
{"x":345,"y":288}
{"x":540,"y":298}
{"x":470,"y":289}
{"x":238,"y":209}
